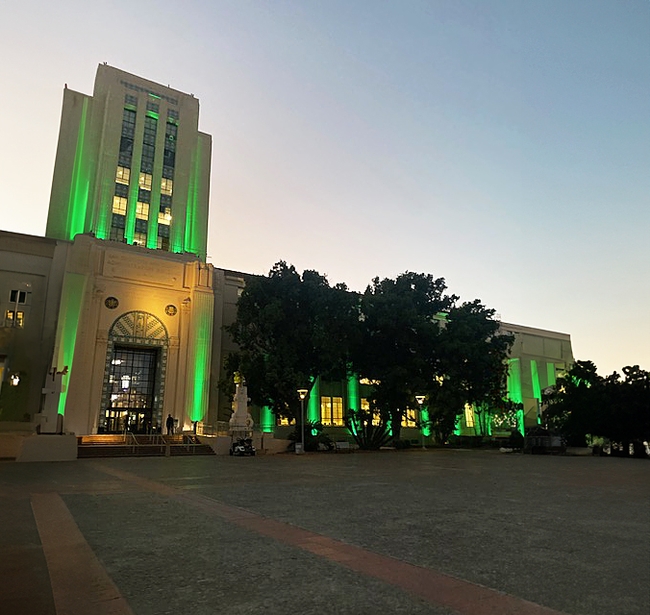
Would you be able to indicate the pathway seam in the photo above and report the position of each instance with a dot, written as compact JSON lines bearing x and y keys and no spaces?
{"x":80,"y":583}
{"x":437,"y":588}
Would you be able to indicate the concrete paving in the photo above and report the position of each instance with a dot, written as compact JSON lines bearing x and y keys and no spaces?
{"x":411,"y":532}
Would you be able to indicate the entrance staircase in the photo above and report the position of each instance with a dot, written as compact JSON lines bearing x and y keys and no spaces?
{"x":140,"y":445}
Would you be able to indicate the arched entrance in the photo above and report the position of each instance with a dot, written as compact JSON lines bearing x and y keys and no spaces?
{"x":136,"y":361}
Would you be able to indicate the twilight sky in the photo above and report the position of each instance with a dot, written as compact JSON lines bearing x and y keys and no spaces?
{"x":501,"y":144}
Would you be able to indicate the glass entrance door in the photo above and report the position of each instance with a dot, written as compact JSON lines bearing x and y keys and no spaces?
{"x":131,"y":390}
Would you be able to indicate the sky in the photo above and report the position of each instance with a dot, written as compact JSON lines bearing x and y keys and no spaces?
{"x":501,"y":144}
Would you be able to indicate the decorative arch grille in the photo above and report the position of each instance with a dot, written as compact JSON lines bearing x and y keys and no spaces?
{"x":137,"y":329}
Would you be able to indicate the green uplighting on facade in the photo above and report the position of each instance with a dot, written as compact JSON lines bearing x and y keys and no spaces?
{"x":550,"y":374}
{"x":267,"y":420}
{"x":515,"y":392}
{"x":425,"y":425}
{"x":313,"y":404}
{"x":354,"y":397}
{"x":71,"y":300}
{"x":78,"y":202}
{"x":199,"y":359}
{"x":534,"y":375}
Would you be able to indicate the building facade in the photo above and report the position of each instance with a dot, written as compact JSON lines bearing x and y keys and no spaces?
{"x":132,"y":166}
{"x":114,"y":320}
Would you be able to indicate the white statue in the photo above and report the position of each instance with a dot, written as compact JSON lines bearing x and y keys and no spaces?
{"x":241,"y":422}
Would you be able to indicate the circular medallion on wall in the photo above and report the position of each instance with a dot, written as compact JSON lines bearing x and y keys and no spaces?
{"x":111,"y":303}
{"x":171,"y":310}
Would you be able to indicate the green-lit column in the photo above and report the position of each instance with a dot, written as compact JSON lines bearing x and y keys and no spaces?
{"x":80,"y":184}
{"x":267,"y":419}
{"x":199,"y":355}
{"x":514,"y":390}
{"x":66,"y":334}
{"x":537,"y":389}
{"x":425,"y":426}
{"x":313,"y":405}
{"x":458,"y":426}
{"x":550,"y":374}
{"x":195,"y":238}
{"x":354,"y":397}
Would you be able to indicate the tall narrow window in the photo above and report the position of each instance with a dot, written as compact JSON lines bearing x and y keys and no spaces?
{"x":331,"y":411}
{"x":14,"y":318}
{"x":409,"y":418}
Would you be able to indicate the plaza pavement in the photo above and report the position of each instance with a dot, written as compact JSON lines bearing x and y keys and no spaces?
{"x":413,"y":532}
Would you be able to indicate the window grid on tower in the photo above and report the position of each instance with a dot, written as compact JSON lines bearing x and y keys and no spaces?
{"x":123,"y":171}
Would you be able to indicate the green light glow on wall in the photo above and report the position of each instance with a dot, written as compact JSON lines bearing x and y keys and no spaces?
{"x":550,"y":374}
{"x":129,"y":229}
{"x":191,"y":213}
{"x":514,"y":390}
{"x":425,"y":426}
{"x":313,"y":404}
{"x":78,"y":203}
{"x":195,"y":238}
{"x":267,"y":421}
{"x":514,"y":381}
{"x":66,"y":335}
{"x":534,"y":374}
{"x":354,"y":397}
{"x":152,"y":114}
{"x":200,"y":354}
{"x":458,"y":426}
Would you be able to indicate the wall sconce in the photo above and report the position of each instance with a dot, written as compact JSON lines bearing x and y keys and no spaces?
{"x":14,"y":379}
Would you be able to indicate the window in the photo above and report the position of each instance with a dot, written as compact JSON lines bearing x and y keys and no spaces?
{"x":164,"y":219}
{"x":331,"y":410}
{"x":142,"y":211}
{"x":469,"y":415}
{"x":152,"y":106}
{"x":283,"y":421}
{"x":139,"y":239}
{"x":117,"y":233}
{"x":129,"y":99}
{"x":145,"y":181}
{"x":140,"y":226}
{"x":166,"y":186}
{"x":409,"y":418}
{"x":119,"y":205}
{"x":162,"y":242}
{"x":123,"y":175}
{"x":121,"y":190}
{"x":172,"y":114}
{"x":14,"y":318}
{"x":18,"y":296}
{"x":365,"y":406}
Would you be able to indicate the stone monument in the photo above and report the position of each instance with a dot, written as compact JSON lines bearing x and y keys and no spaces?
{"x":241,"y":422}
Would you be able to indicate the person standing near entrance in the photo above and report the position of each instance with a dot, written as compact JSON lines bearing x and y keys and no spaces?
{"x":169,"y":423}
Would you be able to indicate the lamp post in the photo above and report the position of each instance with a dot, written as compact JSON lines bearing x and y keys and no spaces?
{"x":420,"y":400}
{"x":302,"y":394}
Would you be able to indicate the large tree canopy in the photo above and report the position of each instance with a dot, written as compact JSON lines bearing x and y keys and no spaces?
{"x":398,"y":347}
{"x":405,"y":335}
{"x":582,"y":402}
{"x":291,"y":329}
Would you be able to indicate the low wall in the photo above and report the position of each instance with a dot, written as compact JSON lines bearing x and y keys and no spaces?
{"x":48,"y":448}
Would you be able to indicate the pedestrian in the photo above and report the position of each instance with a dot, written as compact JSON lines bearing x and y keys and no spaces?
{"x":169,"y":423}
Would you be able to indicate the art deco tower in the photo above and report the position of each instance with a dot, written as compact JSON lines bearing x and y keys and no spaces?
{"x":131,"y":166}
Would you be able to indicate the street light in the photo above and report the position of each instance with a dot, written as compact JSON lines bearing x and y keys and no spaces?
{"x":420,"y":400}
{"x":302,"y":393}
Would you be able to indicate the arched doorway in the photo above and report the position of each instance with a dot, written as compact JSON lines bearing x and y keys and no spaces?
{"x":136,"y":361}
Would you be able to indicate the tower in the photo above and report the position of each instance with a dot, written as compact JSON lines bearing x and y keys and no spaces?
{"x":131,"y":166}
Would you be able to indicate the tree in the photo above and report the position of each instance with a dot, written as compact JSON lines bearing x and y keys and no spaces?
{"x":584,"y":403}
{"x":472,"y":354}
{"x":399,"y":324}
{"x":290,"y":329}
